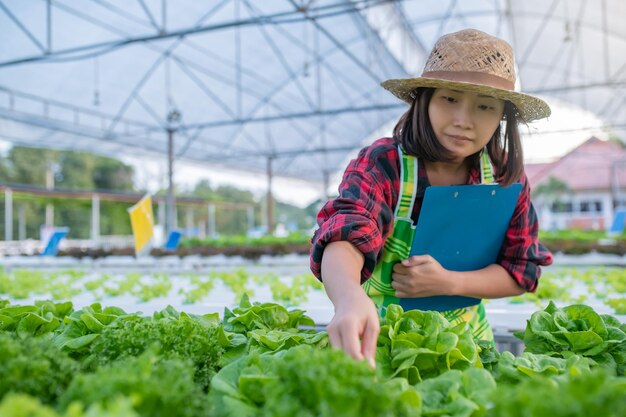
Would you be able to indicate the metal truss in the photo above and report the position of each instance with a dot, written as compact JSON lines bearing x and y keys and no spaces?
{"x":313,"y":124}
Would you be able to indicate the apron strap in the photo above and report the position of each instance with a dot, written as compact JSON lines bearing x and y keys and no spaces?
{"x":486,"y":168}
{"x":408,"y":185}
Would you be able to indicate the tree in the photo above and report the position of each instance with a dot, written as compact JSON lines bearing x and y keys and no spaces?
{"x":203,"y":190}
{"x":29,"y":165}
{"x":111,"y":174}
{"x":551,"y":191}
{"x":5,"y":170}
{"x":553,"y":186}
{"x":76,"y":171}
{"x":72,"y":170}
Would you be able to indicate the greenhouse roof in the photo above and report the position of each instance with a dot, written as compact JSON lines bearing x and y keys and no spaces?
{"x":295,"y":82}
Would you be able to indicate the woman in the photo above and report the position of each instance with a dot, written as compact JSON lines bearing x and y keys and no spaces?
{"x":461,"y":128}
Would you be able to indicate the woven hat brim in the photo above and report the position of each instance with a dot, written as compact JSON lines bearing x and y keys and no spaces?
{"x":530,"y":107}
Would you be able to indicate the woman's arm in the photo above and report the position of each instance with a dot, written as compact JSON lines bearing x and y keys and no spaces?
{"x":362,"y":213}
{"x":423,"y":276}
{"x":491,"y":282}
{"x":345,"y":248}
{"x":355,"y":325}
{"x":522,"y":255}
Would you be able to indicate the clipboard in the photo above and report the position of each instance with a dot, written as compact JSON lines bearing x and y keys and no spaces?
{"x":462,"y":227}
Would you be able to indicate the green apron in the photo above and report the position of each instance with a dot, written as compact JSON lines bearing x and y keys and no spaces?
{"x":398,"y":246}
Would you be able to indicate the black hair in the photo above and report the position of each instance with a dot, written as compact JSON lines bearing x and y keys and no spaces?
{"x":416,"y":136}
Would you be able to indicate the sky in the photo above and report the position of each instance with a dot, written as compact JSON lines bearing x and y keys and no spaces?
{"x":543,"y":141}
{"x":567,"y":127}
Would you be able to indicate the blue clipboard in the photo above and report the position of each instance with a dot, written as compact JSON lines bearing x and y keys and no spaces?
{"x":462,"y":227}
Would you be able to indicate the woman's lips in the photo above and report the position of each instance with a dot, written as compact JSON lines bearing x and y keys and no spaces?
{"x":460,"y":138}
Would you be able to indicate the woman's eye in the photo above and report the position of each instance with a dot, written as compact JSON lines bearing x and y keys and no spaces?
{"x":449,"y":99}
{"x":485,"y":107}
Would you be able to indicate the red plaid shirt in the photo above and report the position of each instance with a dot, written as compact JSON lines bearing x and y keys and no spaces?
{"x":363,"y":215}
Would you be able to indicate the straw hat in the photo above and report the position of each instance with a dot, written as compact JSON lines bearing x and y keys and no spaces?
{"x":471,"y":60}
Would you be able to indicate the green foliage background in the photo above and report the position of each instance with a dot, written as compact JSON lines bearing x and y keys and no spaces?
{"x":84,"y":171}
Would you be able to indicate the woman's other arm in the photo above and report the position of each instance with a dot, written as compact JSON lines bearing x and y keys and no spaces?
{"x":516,"y":271}
{"x":423,"y":276}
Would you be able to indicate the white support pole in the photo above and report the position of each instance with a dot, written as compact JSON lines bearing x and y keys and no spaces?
{"x":171,"y":198}
{"x":95,"y":219}
{"x":8,"y":214}
{"x":50,"y":214}
{"x":49,"y":186}
{"x":264,"y":215}
{"x":212,"y":231}
{"x":189,"y":218}
{"x":21,"y":221}
{"x":250,"y":217}
{"x":162,"y":214}
{"x":270,"y":200}
{"x":326,"y":184}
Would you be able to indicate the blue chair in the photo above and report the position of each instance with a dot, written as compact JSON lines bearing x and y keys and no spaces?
{"x":173,"y":240}
{"x":619,"y":219}
{"x":52,"y":245}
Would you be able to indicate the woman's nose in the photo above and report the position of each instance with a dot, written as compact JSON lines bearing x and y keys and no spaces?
{"x":463,"y":117}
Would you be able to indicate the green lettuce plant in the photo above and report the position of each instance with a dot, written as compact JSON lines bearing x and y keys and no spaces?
{"x":168,"y":332}
{"x":34,"y":366}
{"x":417,"y":345}
{"x":513,"y":369}
{"x":273,"y":340}
{"x":457,"y":393}
{"x":575,"y":393}
{"x":82,"y":327}
{"x":308,"y":382}
{"x":158,"y":387}
{"x":22,"y":405}
{"x":487,"y":353}
{"x":263,"y":327}
{"x":617,"y":304}
{"x":248,"y":316}
{"x":577,"y":329}
{"x":33,"y":320}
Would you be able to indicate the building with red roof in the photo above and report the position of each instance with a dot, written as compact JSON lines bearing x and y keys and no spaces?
{"x":582,"y":189}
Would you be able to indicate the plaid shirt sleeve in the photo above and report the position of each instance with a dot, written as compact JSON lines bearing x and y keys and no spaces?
{"x":521,"y":254}
{"x":362,"y":214}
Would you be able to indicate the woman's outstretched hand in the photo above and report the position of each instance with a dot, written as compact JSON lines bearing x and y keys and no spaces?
{"x":355,"y":327}
{"x":421,"y":276}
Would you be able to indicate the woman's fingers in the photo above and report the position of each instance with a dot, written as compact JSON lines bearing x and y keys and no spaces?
{"x":334,"y":336}
{"x":355,"y":328}
{"x":370,"y":339}
{"x":399,"y":285}
{"x":417,"y":260}
{"x":344,"y":335}
{"x":395,"y":277}
{"x":359,"y":343}
{"x":350,"y":341}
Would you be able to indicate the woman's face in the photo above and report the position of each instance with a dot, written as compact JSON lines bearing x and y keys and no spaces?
{"x":464,"y":122}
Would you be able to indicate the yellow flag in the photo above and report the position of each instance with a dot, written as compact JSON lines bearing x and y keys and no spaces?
{"x":142,"y":222}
